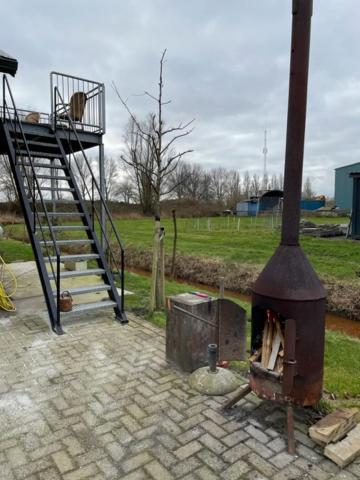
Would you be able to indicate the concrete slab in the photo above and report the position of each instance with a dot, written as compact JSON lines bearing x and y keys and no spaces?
{"x":29,"y":285}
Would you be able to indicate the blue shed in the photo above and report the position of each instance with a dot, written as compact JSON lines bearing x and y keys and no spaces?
{"x":312,"y":204}
{"x":247,"y":208}
{"x":344,"y":185}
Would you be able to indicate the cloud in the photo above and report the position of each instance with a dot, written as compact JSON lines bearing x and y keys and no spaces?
{"x":227,"y":66}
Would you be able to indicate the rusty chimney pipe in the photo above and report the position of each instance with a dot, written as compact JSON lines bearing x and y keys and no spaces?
{"x":299,"y":67}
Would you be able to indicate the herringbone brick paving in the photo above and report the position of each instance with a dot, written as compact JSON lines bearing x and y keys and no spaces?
{"x":102,"y":403}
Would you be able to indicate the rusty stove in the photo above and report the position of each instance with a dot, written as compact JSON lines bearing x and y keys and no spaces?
{"x":288,"y":299}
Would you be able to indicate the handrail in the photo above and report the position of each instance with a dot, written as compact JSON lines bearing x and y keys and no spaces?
{"x":6,"y":86}
{"x":91,"y":196}
{"x":94,"y":112}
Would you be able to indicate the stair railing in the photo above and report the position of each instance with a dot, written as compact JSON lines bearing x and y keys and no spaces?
{"x":32,"y":185}
{"x":94,"y":190}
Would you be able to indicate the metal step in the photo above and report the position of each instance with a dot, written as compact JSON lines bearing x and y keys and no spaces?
{"x":61,"y":200}
{"x":61,"y":228}
{"x":86,"y":307}
{"x":40,"y":144}
{"x":88,"y":289}
{"x":61,"y":214}
{"x":78,"y":273}
{"x":49,"y":189}
{"x":49,"y":243}
{"x":24,"y":153}
{"x":43,"y":165}
{"x":52,"y":177}
{"x":75,"y":257}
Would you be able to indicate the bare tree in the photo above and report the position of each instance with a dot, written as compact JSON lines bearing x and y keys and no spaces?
{"x":307,"y":189}
{"x":138,"y":160}
{"x":125,"y":191}
{"x":111,"y":171}
{"x":255,"y":185}
{"x":246,"y":185}
{"x":274,"y":182}
{"x":82,"y":174}
{"x":265,"y":182}
{"x":7,"y":184}
{"x":161,"y":140}
{"x":219,"y":184}
{"x":234,"y":188}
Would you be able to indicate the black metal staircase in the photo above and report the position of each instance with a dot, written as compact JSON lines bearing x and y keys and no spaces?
{"x":62,"y":224}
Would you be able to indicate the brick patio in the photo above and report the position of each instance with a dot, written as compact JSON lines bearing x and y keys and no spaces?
{"x":102,"y":403}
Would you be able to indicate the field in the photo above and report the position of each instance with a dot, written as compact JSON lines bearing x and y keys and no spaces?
{"x":252,"y":241}
{"x":244,"y":240}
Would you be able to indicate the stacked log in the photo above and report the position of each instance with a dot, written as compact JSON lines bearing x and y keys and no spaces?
{"x":271,"y":353}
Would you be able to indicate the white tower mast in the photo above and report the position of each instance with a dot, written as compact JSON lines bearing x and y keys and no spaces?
{"x":265,"y":151}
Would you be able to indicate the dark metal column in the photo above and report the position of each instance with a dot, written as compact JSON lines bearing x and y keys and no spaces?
{"x":299,"y":66}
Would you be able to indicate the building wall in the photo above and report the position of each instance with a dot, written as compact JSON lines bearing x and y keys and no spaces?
{"x":344,"y":185}
{"x":312,"y":204}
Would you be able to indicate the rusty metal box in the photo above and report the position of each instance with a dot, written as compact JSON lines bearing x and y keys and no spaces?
{"x":193,"y":322}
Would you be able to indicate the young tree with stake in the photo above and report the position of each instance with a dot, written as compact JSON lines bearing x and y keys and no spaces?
{"x":161,"y":140}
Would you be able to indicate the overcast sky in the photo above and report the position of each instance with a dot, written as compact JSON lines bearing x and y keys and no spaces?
{"x":227,"y":67}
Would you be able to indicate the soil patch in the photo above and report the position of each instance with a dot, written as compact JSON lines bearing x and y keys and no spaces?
{"x":343,"y":297}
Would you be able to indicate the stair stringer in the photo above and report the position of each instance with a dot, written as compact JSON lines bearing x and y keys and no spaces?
{"x":28,"y":216}
{"x":107,"y":276}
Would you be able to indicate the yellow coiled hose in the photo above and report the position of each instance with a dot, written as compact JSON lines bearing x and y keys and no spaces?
{"x":8,"y":286}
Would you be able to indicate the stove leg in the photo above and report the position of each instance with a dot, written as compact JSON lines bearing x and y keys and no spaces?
{"x":290,"y":429}
{"x":240,"y":393}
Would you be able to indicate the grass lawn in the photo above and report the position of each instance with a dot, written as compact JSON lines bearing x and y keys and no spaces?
{"x":243,"y":240}
{"x":13,"y":250}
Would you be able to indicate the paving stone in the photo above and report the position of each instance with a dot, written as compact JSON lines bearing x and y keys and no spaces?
{"x":257,"y":434}
{"x":214,"y":429}
{"x":157,"y":471}
{"x":344,"y":476}
{"x":277,"y":445}
{"x":185,"y":466}
{"x":49,"y":474}
{"x":236,"y":471}
{"x":85,"y":472}
{"x":236,"y":452}
{"x":214,"y":445}
{"x":191,"y":434}
{"x":258,"y":447}
{"x":63,"y":461}
{"x":315,"y":471}
{"x":204,"y":473}
{"x":108,"y":468}
{"x":115,"y":451}
{"x":214,"y":462}
{"x":235,"y":438}
{"x":188,"y":450}
{"x":136,"y":462}
{"x":254,"y":475}
{"x":290,"y":473}
{"x":282,"y":459}
{"x":265,"y":467}
{"x":16,"y":456}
